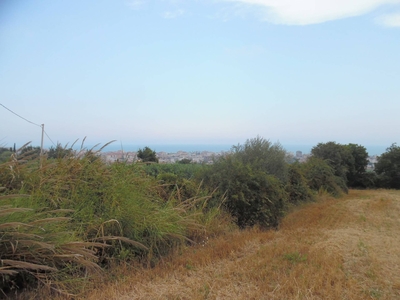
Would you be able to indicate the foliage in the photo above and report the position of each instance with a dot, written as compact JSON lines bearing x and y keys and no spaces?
{"x":147,"y":155}
{"x":111,"y":212}
{"x":388,"y":168}
{"x":5,"y":155}
{"x":184,"y":161}
{"x":357,"y":175}
{"x":297,"y":185}
{"x":264,"y":156}
{"x":28,"y":150}
{"x":250,"y":180}
{"x":337,"y":156}
{"x":187,"y":171}
{"x":59,"y":151}
{"x":320,"y":175}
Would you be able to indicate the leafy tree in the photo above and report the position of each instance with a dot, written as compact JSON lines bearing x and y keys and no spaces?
{"x":147,"y":155}
{"x":388,"y":167}
{"x":357,"y":175}
{"x":184,"y":161}
{"x":337,"y":156}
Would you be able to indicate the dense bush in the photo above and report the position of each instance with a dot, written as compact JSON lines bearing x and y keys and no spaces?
{"x":320,"y":175}
{"x":388,"y":168}
{"x":251,"y":181}
{"x":297,"y":186}
{"x":187,"y":171}
{"x":108,"y":212}
{"x":260,"y":154}
{"x":251,"y":196}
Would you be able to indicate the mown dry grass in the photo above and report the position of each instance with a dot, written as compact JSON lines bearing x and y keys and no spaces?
{"x":344,"y":248}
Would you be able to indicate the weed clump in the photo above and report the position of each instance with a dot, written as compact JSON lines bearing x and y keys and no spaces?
{"x":69,"y":217}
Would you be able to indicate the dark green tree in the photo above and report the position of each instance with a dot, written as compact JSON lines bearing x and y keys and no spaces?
{"x":184,"y":161}
{"x":338,"y":156}
{"x":388,"y":168}
{"x":356,"y":175}
{"x":147,"y":155}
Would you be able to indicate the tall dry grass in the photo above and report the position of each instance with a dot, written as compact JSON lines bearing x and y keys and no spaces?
{"x":81,"y":215}
{"x":343,"y":248}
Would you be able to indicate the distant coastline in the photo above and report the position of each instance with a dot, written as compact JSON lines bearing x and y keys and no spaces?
{"x":173,"y":148}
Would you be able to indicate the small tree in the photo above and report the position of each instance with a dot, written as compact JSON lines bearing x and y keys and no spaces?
{"x":388,"y":167}
{"x":147,"y":155}
{"x":184,"y":161}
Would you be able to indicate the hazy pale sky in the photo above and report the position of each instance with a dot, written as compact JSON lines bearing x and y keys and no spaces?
{"x":200,"y":72}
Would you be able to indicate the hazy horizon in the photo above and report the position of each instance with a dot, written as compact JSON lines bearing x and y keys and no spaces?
{"x":200,"y":72}
{"x":173,"y":148}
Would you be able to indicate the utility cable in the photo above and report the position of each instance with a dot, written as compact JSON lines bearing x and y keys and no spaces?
{"x":49,"y":138}
{"x":20,"y":116}
{"x":28,"y":122}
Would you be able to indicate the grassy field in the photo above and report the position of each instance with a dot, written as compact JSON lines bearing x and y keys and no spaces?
{"x":345,"y":248}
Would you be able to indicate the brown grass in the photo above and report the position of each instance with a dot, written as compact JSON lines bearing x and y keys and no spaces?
{"x":344,"y":248}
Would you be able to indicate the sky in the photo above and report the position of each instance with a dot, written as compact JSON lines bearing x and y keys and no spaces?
{"x":159,"y":72}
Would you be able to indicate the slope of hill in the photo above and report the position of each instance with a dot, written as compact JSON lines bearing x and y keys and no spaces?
{"x":345,"y":248}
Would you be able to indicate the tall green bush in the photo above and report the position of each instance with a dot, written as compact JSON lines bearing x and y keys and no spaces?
{"x":251,"y":181}
{"x":297,"y":186}
{"x":320,"y":175}
{"x":388,"y":168}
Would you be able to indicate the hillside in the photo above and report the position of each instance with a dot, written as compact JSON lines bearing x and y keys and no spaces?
{"x":335,"y":249}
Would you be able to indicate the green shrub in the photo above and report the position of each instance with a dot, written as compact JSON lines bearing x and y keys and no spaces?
{"x":320,"y":175}
{"x":250,"y":195}
{"x":297,"y":187}
{"x":388,"y":168}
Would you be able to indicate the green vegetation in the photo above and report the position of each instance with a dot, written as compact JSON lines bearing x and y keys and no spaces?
{"x":348,"y":162}
{"x":147,"y":155}
{"x":72,"y":216}
{"x":251,"y":182}
{"x":388,"y":168}
{"x":67,"y":215}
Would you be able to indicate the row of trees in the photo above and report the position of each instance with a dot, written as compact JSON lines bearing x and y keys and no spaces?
{"x":350,"y":161}
{"x":257,"y":181}
{"x":29,"y":151}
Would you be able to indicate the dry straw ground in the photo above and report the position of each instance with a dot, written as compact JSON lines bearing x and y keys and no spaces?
{"x":347,"y":248}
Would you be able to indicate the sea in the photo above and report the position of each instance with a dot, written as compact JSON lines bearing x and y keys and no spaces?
{"x":173,"y":148}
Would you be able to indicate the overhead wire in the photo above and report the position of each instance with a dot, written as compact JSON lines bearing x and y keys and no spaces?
{"x":28,"y":122}
{"x":20,"y":116}
{"x":49,"y":138}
